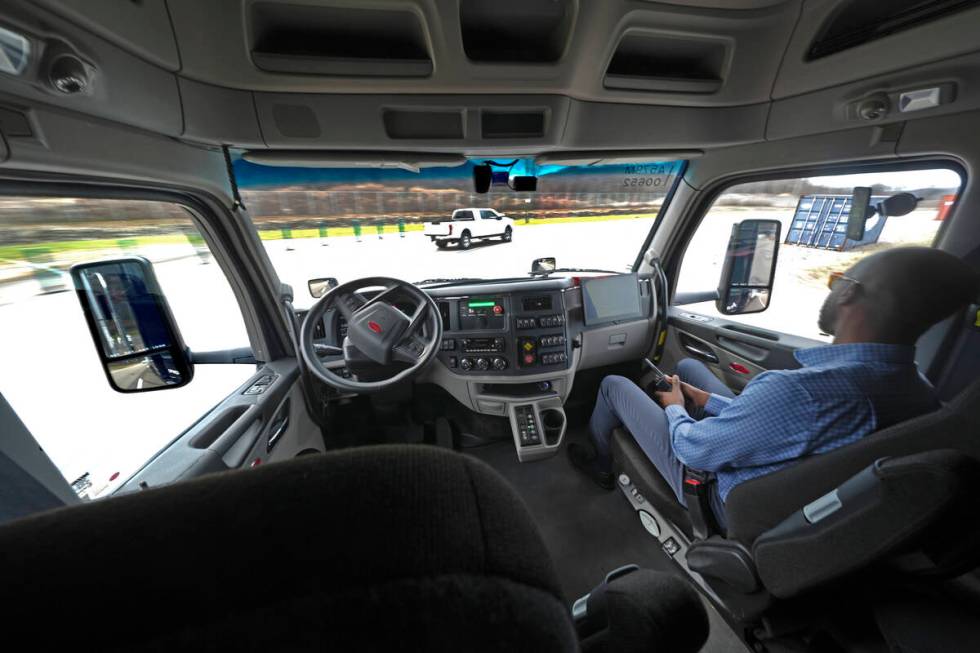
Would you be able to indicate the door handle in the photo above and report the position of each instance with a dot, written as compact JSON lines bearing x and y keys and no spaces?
{"x":706,"y":354}
{"x":754,"y":354}
{"x":278,"y":430}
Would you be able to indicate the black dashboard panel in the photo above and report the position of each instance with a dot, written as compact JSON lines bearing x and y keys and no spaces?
{"x":507,"y":334}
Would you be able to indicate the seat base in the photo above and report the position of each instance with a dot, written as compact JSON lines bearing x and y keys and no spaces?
{"x":628,"y":458}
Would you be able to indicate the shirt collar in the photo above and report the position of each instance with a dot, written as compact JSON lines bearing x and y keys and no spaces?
{"x":859,"y":352}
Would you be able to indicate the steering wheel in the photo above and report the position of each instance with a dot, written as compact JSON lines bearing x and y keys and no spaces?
{"x":379,"y":334}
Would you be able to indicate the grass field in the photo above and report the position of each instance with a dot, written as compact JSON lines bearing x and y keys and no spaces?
{"x":21,"y":252}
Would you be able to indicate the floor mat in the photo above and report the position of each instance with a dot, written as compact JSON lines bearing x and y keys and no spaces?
{"x":589,"y":531}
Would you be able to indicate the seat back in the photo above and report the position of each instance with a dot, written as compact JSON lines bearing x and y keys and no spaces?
{"x":917,"y":513}
{"x":761,"y":503}
{"x":380,"y":548}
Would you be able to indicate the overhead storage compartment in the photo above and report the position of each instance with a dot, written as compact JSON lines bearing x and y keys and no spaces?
{"x":649,"y":61}
{"x":422,"y":124}
{"x":512,"y":124}
{"x":856,"y":22}
{"x":338,"y":41}
{"x":515,"y":31}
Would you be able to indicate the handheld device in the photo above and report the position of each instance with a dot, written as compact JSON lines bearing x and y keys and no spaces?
{"x":660,"y":382}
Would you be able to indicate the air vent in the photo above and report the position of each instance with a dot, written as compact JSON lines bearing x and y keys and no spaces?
{"x":857,"y":22}
{"x":406,"y":124}
{"x":338,"y":41}
{"x":515,"y":31}
{"x":512,"y":124}
{"x":670,"y":64}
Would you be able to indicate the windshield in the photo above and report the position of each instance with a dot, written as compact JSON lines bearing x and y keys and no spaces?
{"x":417,"y":226}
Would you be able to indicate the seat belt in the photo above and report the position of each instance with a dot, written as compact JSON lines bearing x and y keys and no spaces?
{"x":697,"y":496}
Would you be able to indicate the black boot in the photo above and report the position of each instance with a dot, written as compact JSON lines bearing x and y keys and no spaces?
{"x":585,"y":460}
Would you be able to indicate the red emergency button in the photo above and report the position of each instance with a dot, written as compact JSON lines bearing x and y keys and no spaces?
{"x":498,"y":309}
{"x":529,"y":359}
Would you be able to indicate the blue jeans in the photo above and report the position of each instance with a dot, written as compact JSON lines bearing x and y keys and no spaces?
{"x":622,"y":403}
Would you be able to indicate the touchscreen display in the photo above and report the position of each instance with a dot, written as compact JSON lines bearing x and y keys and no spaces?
{"x":610,"y":299}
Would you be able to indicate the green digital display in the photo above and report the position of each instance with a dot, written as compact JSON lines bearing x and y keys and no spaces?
{"x":481,"y":304}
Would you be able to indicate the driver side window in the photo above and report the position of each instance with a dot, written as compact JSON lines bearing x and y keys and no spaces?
{"x":51,"y":374}
{"x":808,"y":210}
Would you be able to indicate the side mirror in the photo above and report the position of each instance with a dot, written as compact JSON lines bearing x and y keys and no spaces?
{"x":860,"y":212}
{"x":861,"y":209}
{"x":750,"y":266}
{"x":134,"y":331}
{"x":900,"y":204}
{"x":543,"y":265}
{"x":320,"y":287}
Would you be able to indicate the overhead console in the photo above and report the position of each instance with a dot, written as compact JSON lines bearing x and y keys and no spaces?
{"x":338,"y":41}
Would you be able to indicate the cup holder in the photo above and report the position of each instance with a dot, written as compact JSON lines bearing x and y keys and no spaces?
{"x":553,"y":421}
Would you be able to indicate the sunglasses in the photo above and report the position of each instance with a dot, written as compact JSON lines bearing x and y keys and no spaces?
{"x":837,"y":276}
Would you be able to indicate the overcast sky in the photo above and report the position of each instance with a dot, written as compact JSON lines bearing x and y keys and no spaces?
{"x":906,"y":179}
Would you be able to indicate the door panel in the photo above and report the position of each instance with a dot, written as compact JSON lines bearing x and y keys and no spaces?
{"x":264,"y":420}
{"x":734,"y":352}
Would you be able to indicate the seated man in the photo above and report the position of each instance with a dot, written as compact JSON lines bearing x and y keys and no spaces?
{"x":865,"y":381}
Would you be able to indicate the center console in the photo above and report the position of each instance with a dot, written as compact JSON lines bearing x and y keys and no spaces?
{"x":538,"y":427}
{"x":511,"y":349}
{"x":508,"y":335}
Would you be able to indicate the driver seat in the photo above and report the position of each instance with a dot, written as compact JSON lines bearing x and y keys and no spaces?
{"x":828,"y":517}
{"x":381,"y":548}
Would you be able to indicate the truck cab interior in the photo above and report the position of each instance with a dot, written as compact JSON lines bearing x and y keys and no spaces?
{"x":266,"y":387}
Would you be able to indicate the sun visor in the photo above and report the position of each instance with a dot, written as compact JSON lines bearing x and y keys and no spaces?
{"x":411,"y":161}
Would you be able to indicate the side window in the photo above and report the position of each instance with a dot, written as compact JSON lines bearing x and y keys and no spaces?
{"x":463,"y":216}
{"x":488,"y":215}
{"x":50,"y":371}
{"x":812,"y":242}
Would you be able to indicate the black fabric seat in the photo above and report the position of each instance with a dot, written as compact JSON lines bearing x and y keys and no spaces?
{"x":868,"y":507}
{"x":757,"y":505}
{"x":381,"y":548}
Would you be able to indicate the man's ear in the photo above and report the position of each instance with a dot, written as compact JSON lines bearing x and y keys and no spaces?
{"x":850,"y":294}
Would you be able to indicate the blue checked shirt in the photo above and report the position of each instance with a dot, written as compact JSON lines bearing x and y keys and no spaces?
{"x":841,"y":394}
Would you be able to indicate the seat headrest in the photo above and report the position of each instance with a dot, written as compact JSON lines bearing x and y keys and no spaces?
{"x":393,"y":547}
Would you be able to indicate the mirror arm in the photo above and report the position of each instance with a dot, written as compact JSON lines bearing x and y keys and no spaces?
{"x":239,"y":355}
{"x":696,"y":297}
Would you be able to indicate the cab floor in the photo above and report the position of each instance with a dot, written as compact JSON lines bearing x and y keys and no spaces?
{"x":589,"y":531}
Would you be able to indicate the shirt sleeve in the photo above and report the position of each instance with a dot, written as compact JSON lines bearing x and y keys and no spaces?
{"x":715,"y":404}
{"x":769,"y":422}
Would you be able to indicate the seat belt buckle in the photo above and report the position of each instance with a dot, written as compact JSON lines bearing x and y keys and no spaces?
{"x":697,"y":495}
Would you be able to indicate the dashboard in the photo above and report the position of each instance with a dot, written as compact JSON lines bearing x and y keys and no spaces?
{"x":512,"y":348}
{"x":518,"y":329}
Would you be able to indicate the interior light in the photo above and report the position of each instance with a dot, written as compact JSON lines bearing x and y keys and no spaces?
{"x":15,"y":52}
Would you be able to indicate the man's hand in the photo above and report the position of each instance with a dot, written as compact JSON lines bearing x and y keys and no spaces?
{"x":697,"y":396}
{"x":673,"y":397}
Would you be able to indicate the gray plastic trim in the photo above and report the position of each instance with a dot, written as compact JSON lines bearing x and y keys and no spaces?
{"x":823,"y":507}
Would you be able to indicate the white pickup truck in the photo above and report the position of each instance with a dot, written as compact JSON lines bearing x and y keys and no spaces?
{"x":467,"y":225}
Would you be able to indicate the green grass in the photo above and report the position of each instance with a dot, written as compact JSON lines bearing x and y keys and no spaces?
{"x":61,"y":246}
{"x":17,"y":252}
{"x":370,"y":229}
